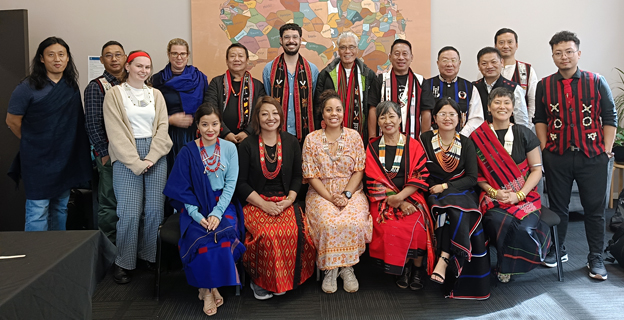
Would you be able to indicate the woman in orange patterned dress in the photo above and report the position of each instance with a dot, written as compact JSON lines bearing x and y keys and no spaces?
{"x":280,"y":254}
{"x":336,"y":206}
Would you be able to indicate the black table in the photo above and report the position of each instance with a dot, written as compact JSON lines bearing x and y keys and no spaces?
{"x":58,"y":276}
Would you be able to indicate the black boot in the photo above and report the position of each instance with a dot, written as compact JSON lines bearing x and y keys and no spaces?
{"x":120,"y":275}
{"x":416,"y":279}
{"x":403,"y":280}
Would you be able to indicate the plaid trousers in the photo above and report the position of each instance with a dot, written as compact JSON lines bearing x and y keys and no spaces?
{"x":140,"y":208}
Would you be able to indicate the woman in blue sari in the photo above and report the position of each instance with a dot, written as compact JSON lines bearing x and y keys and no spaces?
{"x":201,"y":186}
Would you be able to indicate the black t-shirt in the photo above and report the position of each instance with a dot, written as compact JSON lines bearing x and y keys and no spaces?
{"x":230,"y":114}
{"x":401,"y":80}
{"x":399,"y":179}
{"x":272,"y":186}
{"x":524,"y":141}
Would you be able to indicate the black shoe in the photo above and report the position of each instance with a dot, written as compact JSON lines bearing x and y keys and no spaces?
{"x":120,"y":275}
{"x":596,"y":266}
{"x":551,"y":261}
{"x":403,"y":280}
{"x":146,"y":265}
{"x":416,"y":282}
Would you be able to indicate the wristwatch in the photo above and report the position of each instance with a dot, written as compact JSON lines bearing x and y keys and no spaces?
{"x":347,"y":194}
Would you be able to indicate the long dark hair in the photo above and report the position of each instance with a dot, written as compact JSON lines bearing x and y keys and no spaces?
{"x":38,"y":73}
{"x":446,"y":101}
{"x":255,"y":113}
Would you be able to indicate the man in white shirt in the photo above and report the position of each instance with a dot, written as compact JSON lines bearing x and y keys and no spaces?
{"x":448,"y":85}
{"x":506,"y":41}
{"x":490,"y":64}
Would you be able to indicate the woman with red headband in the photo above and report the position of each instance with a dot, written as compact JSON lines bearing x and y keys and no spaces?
{"x":135,"y":116}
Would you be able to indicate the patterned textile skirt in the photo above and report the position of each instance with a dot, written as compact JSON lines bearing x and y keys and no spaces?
{"x":397,"y":239}
{"x":280,"y":253}
{"x":458,"y":217}
{"x":521,"y":245}
{"x":340,"y":234}
{"x":209,"y":258}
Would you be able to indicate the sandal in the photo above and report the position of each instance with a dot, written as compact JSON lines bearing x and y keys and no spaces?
{"x":416,"y":280}
{"x":445,"y":259}
{"x":209,"y":302}
{"x":217,"y":297}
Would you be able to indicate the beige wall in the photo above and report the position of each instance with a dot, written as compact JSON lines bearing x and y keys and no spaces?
{"x":468,"y":25}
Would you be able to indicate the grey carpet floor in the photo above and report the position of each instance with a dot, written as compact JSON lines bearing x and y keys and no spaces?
{"x":535,"y":295}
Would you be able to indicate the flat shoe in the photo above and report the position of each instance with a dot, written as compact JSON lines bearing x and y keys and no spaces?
{"x":120,"y":275}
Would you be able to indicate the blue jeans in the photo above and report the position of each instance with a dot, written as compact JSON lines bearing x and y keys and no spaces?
{"x":47,"y":214}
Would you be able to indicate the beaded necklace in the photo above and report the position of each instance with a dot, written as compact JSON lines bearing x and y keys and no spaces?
{"x":396,"y":165}
{"x":338,"y":150}
{"x":135,"y":101}
{"x":209,"y":161}
{"x":264,"y":153}
{"x":447,"y":158}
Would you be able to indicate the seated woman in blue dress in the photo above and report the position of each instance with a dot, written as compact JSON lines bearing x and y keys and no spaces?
{"x":201,"y":186}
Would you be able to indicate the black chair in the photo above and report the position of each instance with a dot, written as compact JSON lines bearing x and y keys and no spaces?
{"x":553,"y":220}
{"x":169,"y":233}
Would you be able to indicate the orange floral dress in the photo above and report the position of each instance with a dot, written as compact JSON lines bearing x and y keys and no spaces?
{"x":339,"y":234}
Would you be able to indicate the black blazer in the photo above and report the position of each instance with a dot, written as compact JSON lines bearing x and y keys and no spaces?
{"x":250,"y":177}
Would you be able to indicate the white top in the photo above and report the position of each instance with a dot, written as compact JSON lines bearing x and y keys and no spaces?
{"x":520,"y":109}
{"x":508,"y":72}
{"x":141,"y":118}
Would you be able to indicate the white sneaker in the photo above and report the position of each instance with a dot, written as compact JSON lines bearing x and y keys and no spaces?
{"x":330,"y":284}
{"x":260,"y":293}
{"x":348,"y":277}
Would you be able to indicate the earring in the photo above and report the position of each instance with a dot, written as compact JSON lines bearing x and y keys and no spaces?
{"x":197,"y":134}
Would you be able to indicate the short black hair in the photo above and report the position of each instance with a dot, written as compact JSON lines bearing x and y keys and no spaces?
{"x":503,"y":31}
{"x":564,"y":36}
{"x":501,"y":92}
{"x":206,"y":109}
{"x":487,"y":50}
{"x":448,"y":48}
{"x":290,"y":26}
{"x":112,"y":43}
{"x":399,"y":41}
{"x":236,"y":45}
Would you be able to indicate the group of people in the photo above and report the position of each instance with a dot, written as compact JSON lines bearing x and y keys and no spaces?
{"x":305,"y":168}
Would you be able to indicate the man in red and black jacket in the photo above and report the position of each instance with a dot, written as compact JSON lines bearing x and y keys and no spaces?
{"x":575,"y":121}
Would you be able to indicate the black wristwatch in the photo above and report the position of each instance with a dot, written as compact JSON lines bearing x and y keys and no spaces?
{"x":347,"y":194}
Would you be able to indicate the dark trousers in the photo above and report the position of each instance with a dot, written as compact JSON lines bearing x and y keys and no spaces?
{"x":107,"y":209}
{"x":590,"y":175}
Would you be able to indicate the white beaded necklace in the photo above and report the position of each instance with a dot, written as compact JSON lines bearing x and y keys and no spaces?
{"x":135,"y":101}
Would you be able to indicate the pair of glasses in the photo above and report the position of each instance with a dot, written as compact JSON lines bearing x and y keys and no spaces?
{"x":567,"y":53}
{"x":343,"y":48}
{"x":444,"y":114}
{"x":110,"y":56}
{"x":445,"y":61}
{"x":178,"y":54}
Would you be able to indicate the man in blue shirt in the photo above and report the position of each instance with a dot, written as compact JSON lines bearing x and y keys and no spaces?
{"x":279,"y":81}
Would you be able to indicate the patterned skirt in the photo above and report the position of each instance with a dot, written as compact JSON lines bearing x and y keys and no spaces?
{"x":280,"y":253}
{"x":521,"y":245}
{"x":458,"y":217}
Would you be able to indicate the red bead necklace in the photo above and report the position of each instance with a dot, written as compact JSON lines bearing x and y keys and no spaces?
{"x":263,"y":154}
{"x":214,"y":158}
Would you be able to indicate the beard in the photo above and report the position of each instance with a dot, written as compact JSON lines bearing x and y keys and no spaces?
{"x":291,"y":53}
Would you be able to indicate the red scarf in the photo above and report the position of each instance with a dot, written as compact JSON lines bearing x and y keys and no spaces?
{"x":498,"y":169}
{"x":380,"y":186}
{"x":302,"y":93}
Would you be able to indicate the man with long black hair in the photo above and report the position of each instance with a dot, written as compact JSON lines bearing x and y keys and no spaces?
{"x":45,"y":112}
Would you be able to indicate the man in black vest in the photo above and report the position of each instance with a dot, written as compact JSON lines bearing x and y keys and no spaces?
{"x":113,"y":58}
{"x":506,"y":41}
{"x":575,"y":120}
{"x":490,"y":64}
{"x":448,"y":84}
